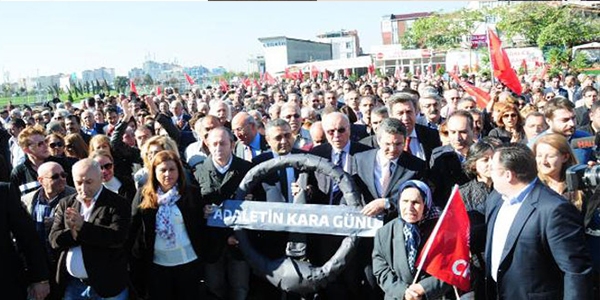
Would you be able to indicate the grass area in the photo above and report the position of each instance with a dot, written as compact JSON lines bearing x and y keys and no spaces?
{"x":35,"y":99}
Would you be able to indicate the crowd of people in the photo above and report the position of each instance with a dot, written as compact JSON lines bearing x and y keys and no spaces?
{"x":108,"y":198}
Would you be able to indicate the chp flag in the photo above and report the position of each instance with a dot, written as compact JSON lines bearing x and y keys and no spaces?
{"x":446,"y":254}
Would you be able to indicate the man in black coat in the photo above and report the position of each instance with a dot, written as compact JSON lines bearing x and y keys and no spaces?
{"x":16,"y":224}
{"x":339,"y":150}
{"x":420,"y":140}
{"x":90,"y":229}
{"x":446,"y":168}
{"x":219,"y":176}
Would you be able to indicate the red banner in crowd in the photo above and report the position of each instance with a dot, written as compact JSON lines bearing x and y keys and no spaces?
{"x":501,"y":65}
{"x":481,"y":97}
{"x":132,"y":86}
{"x":189,"y":79}
{"x":446,"y":254}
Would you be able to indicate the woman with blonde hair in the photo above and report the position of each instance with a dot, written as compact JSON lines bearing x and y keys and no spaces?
{"x":75,"y":146}
{"x":509,"y":125}
{"x":165,"y":233}
{"x":554,"y":156}
{"x":99,"y":142}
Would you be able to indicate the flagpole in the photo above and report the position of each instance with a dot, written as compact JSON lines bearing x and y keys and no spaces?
{"x":456,"y":292}
{"x":434,"y":233}
{"x":487,"y":34}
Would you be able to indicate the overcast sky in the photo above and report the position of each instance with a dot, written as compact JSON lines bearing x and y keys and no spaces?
{"x":47,"y":38}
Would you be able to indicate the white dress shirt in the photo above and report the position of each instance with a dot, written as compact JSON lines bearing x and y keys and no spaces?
{"x":415,"y":146}
{"x":506,"y":216}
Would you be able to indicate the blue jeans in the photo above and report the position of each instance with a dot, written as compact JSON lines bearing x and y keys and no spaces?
{"x":77,"y":290}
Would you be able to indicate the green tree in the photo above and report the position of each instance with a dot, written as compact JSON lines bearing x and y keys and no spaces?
{"x":148,"y":80}
{"x":442,"y":31}
{"x":121,"y":84}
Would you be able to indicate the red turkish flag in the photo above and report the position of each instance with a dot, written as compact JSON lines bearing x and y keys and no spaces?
{"x":287,"y":74}
{"x":347,"y":72}
{"x":189,"y":79}
{"x":481,"y":97}
{"x":398,"y":73}
{"x":158,"y":91}
{"x":371,"y":69}
{"x":446,"y":252}
{"x":326,"y":75}
{"x":300,"y":75}
{"x":501,"y":65}
{"x":132,"y":86}
{"x":314,"y":72}
{"x":224,"y":85}
{"x":269,"y":79}
{"x":246,"y":82}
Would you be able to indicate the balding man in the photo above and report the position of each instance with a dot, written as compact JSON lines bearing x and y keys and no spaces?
{"x":317,"y":135}
{"x":250,"y":143}
{"x":41,"y":204}
{"x":196,"y":152}
{"x":290,"y":112}
{"x":339,"y":150}
{"x":89,"y":230}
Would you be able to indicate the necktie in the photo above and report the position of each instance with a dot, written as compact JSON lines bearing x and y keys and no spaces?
{"x":248,"y":154}
{"x":386,"y":177}
{"x":407,"y":145}
{"x":336,"y":194}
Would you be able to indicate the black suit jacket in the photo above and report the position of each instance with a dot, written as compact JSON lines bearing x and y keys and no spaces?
{"x":429,"y":139}
{"x":102,"y":240}
{"x":16,"y":223}
{"x":142,"y":233}
{"x":323,"y":182}
{"x":358,"y":132}
{"x":407,"y":167}
{"x":582,"y":116}
{"x":545,"y":254}
{"x":239,"y":148}
{"x":445,"y":171}
{"x":216,"y":188}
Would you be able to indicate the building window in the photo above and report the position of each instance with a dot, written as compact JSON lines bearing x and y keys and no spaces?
{"x":348,"y":45}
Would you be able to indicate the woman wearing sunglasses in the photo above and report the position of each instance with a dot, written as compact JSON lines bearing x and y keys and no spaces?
{"x":56,"y":144}
{"x":121,"y":185}
{"x":509,"y":125}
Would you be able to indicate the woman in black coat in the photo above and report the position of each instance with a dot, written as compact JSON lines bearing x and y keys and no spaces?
{"x":166,"y":233}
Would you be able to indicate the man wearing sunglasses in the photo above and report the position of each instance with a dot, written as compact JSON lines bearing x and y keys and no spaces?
{"x":25,"y":175}
{"x":41,"y":204}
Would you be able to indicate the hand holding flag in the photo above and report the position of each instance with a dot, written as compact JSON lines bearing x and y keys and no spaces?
{"x":446,"y":253}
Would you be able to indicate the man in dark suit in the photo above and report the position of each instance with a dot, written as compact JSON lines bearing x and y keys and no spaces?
{"x":73,"y":125}
{"x":555,"y":87}
{"x":219,"y":176}
{"x":446,"y":168}
{"x":535,"y":247}
{"x":378,"y":174}
{"x":341,"y":151}
{"x":420,"y":140}
{"x":250,"y":143}
{"x":16,"y":225}
{"x":90,"y":229}
{"x":582,"y":113}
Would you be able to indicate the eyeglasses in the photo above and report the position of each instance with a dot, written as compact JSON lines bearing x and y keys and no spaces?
{"x":56,"y":145}
{"x":509,"y":116}
{"x":295,"y":116}
{"x":106,"y":166}
{"x":57,"y":175}
{"x":338,"y":130}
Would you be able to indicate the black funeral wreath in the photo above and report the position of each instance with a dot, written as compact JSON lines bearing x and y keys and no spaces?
{"x":288,"y":274}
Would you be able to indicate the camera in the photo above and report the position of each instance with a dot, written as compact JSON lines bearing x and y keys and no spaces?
{"x":583,"y":178}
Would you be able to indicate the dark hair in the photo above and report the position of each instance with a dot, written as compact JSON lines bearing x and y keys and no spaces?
{"x":74,"y":118}
{"x":556,"y":103}
{"x":391,"y":126}
{"x":518,"y":159}
{"x":476,"y":151}
{"x":462,"y":113}
{"x":18,"y":122}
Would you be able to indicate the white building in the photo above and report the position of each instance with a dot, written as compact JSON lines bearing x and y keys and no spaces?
{"x":344,"y":43}
{"x":281,"y":51}
{"x":100,"y":74}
